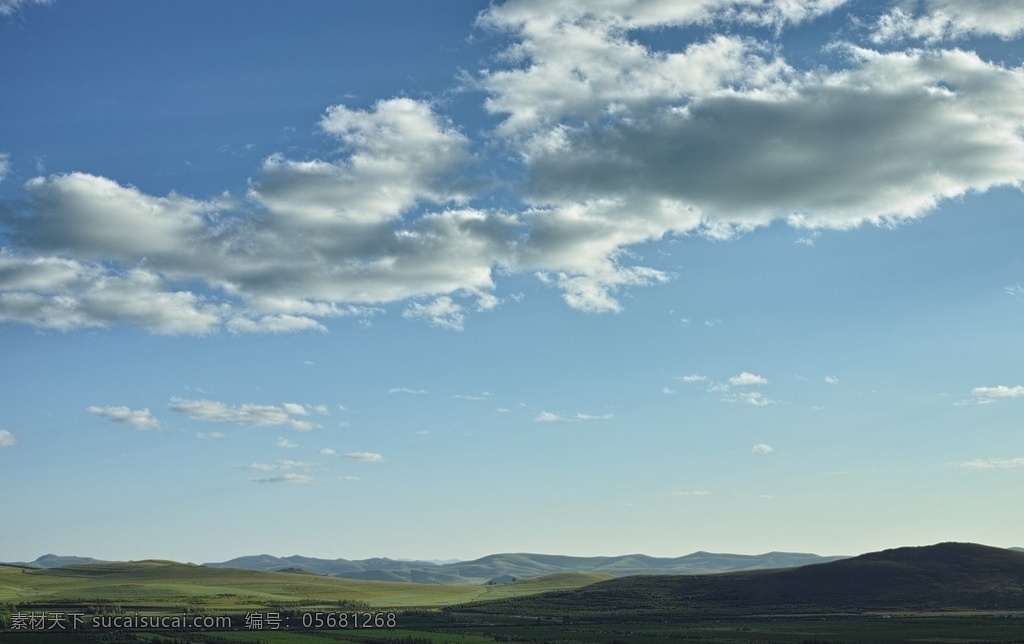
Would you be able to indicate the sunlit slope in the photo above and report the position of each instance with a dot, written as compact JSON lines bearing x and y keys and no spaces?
{"x":165,"y":584}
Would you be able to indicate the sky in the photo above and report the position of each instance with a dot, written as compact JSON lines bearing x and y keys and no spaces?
{"x":440,"y":280}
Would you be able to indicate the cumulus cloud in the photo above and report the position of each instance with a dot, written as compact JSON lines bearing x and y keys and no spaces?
{"x":832,"y":380}
{"x":246,"y":414}
{"x":994,"y":463}
{"x":137,"y":418}
{"x":936,"y":20}
{"x":693,"y":378}
{"x":619,"y":143}
{"x":315,"y":239}
{"x":284,"y":443}
{"x":747,"y":379}
{"x":7,"y":439}
{"x":365,"y":457}
{"x":999,"y":392}
{"x":761,"y":448}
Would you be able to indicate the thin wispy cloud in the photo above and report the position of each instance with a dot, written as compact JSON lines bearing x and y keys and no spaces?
{"x":288,"y":478}
{"x":364,"y":457}
{"x":7,"y":439}
{"x":582,"y":416}
{"x":763,"y":449}
{"x":752,"y":398}
{"x":141,"y":419}
{"x":406,"y":390}
{"x":994,"y":463}
{"x":9,"y":7}
{"x":548,"y":417}
{"x":284,"y":443}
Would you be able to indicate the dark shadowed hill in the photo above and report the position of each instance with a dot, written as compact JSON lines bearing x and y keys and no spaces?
{"x":522,"y":566}
{"x":947,"y":575}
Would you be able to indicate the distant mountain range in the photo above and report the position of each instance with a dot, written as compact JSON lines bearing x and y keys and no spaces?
{"x":944,"y":576}
{"x":502,"y":568}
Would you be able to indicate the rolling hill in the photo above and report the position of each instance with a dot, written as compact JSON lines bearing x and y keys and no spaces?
{"x":518,"y":566}
{"x":944,"y":576}
{"x":162,"y":585}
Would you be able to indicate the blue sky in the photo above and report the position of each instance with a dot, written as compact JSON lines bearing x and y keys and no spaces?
{"x":439,"y":280}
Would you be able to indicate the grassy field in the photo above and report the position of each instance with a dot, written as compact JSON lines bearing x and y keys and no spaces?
{"x":640,"y":610}
{"x":155,"y":585}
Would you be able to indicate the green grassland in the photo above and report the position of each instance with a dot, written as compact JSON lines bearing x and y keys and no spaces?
{"x":946,"y":593}
{"x":155,"y":585}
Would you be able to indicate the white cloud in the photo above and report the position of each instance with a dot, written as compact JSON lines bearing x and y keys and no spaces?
{"x":246,"y":414}
{"x":282,"y":465}
{"x":991,"y":394}
{"x":9,"y":7}
{"x":693,"y":378}
{"x":753,"y":398}
{"x":442,"y":312}
{"x":832,"y":380}
{"x":261,"y":467}
{"x":747,"y":379}
{"x":994,"y":463}
{"x":316,"y":239}
{"x":280,"y":323}
{"x":5,"y":165}
{"x":406,"y":390}
{"x":209,"y":435}
{"x":65,"y":294}
{"x":690,"y":493}
{"x":761,"y":448}
{"x":1016,"y":290}
{"x":667,"y":391}
{"x":581,"y":416}
{"x":289,"y":478}
{"x":327,"y":451}
{"x":936,"y":20}
{"x":365,"y":457}
{"x":7,"y":439}
{"x":295,"y":409}
{"x":137,"y":418}
{"x":619,"y":142}
{"x":548,"y":417}
{"x":285,"y":443}
{"x":481,"y":396}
